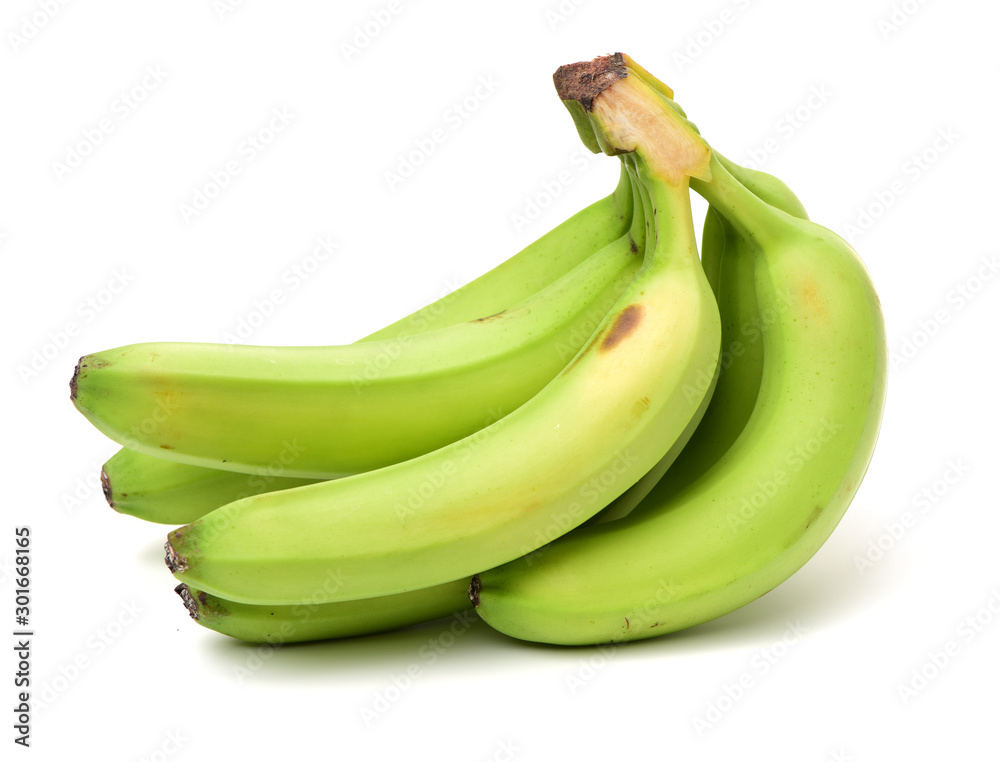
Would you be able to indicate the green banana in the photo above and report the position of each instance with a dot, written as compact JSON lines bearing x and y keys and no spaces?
{"x":768,"y":504}
{"x":606,"y":419}
{"x":322,"y":412}
{"x":172,"y":492}
{"x":742,"y":348}
{"x":192,"y":491}
{"x":322,"y":621}
{"x":167,"y":492}
{"x":728,"y":264}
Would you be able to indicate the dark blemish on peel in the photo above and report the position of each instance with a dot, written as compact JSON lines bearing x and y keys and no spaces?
{"x":814,"y":515}
{"x":489,"y":317}
{"x":623,"y":327}
{"x":475,"y":587}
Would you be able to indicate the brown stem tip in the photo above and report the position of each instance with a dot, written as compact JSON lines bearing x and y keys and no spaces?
{"x":174,"y":560}
{"x":72,"y":381}
{"x":474,"y":587}
{"x":189,"y":602}
{"x":586,"y":80}
{"x":106,"y":488}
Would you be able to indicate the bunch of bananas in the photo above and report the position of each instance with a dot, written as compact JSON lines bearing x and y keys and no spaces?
{"x":606,"y":438}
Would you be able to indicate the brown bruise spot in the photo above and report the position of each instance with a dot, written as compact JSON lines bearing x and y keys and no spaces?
{"x":585,"y":80}
{"x":625,"y":325}
{"x":633,"y":246}
{"x":166,"y":447}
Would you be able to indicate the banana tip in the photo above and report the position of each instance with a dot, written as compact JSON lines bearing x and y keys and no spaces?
{"x":106,"y":488}
{"x":72,"y":381}
{"x":189,"y":601}
{"x":474,"y":587}
{"x":174,"y":560}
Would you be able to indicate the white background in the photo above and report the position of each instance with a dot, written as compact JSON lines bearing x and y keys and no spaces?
{"x":900,"y":81}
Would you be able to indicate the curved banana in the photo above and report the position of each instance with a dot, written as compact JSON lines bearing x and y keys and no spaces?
{"x":729,"y":257}
{"x":732,"y":393}
{"x":545,"y":468}
{"x":728,"y":263}
{"x":166,"y":491}
{"x":322,"y":412}
{"x":323,"y":621}
{"x":763,"y":509}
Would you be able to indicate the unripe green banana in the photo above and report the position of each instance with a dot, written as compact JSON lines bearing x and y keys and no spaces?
{"x":611,"y":414}
{"x":742,"y":346}
{"x":321,"y":412}
{"x":728,"y":264}
{"x":728,"y":261}
{"x":322,"y":621}
{"x":767,"y":505}
{"x":167,"y":492}
{"x":171,"y":492}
